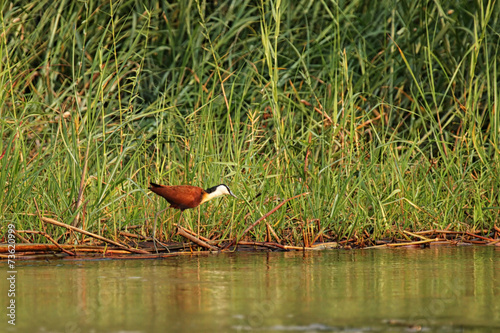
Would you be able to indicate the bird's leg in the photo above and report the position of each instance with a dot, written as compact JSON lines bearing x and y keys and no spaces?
{"x":199,"y":216}
{"x":180,"y":217}
{"x":154,"y":231}
{"x":179,"y":223}
{"x":179,"y":226}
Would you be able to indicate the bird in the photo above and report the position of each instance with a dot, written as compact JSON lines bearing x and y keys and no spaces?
{"x":184,"y":197}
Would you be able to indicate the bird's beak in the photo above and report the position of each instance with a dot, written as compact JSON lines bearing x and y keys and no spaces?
{"x":231,"y":193}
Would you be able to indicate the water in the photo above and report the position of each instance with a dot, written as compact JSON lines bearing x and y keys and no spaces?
{"x":404,"y":290}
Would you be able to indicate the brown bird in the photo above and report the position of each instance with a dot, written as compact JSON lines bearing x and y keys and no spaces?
{"x":186,"y":196}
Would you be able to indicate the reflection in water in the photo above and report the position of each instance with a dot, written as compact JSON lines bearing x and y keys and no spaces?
{"x":451,"y":289}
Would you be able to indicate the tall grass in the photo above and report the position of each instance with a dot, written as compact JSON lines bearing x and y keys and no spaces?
{"x":386,"y":112}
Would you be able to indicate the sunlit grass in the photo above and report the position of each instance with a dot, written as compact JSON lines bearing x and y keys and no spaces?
{"x":386,"y":114}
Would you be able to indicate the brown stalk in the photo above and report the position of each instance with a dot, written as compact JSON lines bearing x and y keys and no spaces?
{"x":270,"y":245}
{"x":46,"y":235}
{"x":70,"y":227}
{"x":196,"y":235}
{"x":49,"y":247}
{"x":181,"y":231}
{"x":413,"y":243}
{"x":270,"y":228}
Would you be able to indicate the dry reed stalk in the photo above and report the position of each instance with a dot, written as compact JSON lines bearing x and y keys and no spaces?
{"x":70,"y":227}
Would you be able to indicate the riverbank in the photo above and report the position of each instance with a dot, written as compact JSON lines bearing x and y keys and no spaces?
{"x":379,"y":119}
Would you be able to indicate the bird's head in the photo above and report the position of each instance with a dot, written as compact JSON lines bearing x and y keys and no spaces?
{"x":221,"y":189}
{"x":217,"y":191}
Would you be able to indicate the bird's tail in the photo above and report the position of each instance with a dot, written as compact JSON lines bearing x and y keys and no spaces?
{"x":153,"y":185}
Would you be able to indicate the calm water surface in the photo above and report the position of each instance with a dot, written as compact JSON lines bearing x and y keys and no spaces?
{"x":404,"y":290}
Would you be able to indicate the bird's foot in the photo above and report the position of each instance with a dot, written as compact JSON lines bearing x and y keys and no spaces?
{"x":157,"y":241}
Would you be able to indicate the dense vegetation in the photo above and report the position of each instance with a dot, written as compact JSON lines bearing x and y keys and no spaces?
{"x":386,"y":112}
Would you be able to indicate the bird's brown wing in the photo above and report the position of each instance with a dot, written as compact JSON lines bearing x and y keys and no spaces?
{"x":179,"y":196}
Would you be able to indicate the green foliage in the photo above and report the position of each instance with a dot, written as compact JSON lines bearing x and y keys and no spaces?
{"x":386,"y":112}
